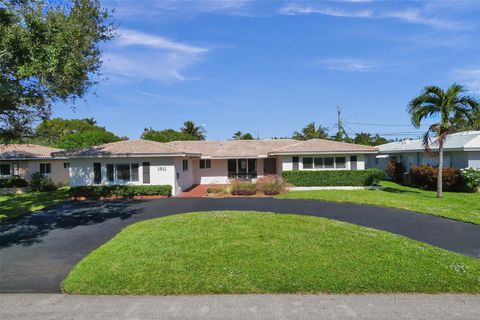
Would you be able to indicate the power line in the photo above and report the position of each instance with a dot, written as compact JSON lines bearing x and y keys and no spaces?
{"x":385,"y":125}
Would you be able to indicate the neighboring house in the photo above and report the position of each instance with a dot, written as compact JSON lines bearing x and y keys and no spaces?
{"x":461,"y":150}
{"x":182,"y":164}
{"x":21,"y":160}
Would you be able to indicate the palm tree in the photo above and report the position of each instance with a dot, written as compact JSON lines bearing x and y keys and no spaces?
{"x":237,"y":135}
{"x":242,"y":136}
{"x":451,"y":106}
{"x":311,"y":132}
{"x":189,"y":127}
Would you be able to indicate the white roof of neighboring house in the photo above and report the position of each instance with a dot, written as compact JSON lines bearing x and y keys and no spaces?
{"x":128,"y":148}
{"x":461,"y":141}
{"x":25,"y":151}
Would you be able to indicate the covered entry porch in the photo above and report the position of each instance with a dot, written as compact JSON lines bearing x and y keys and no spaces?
{"x":221,"y":171}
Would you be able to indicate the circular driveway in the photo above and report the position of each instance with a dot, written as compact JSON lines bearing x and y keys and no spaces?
{"x":38,"y":250}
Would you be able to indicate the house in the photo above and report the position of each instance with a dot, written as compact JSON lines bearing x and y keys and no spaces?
{"x":461,"y":150}
{"x":182,"y":164}
{"x":21,"y":160}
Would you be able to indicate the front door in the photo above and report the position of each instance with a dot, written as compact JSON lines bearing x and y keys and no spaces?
{"x":270,"y":166}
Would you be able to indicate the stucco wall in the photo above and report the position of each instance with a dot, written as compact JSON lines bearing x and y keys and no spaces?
{"x":185,"y":179}
{"x":26,"y":168}
{"x":162,"y":171}
{"x":474,"y":159}
{"x":217,"y":174}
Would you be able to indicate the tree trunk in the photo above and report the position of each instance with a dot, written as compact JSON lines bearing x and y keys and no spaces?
{"x":440,"y":171}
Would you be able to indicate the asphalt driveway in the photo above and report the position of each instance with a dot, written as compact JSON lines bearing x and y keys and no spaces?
{"x":38,"y":250}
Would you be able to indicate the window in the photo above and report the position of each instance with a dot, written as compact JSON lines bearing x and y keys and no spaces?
{"x":97,"y":173}
{"x":205,"y":164}
{"x":146,"y":172}
{"x":295,"y":163}
{"x":252,"y":165}
{"x":318,"y":163}
{"x":340,"y":162}
{"x":110,"y":173}
{"x":134,"y":172}
{"x":5,"y":169}
{"x":232,"y":167}
{"x":328,"y":163}
{"x":242,"y":168}
{"x":307,"y":163}
{"x":45,"y":168}
{"x":66,"y":165}
{"x":185,"y":165}
{"x":15,"y":169}
{"x":122,"y":172}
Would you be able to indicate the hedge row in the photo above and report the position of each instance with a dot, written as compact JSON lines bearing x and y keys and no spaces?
{"x":425,"y":177}
{"x":120,"y":191}
{"x":13,"y":183}
{"x":329,"y":178}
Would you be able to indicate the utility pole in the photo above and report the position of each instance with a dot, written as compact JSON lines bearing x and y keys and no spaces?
{"x":339,"y":119}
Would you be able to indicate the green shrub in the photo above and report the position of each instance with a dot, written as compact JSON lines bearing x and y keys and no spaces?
{"x":328,"y":178}
{"x":38,"y":182}
{"x":425,"y":177}
{"x":215,"y":190}
{"x":394,"y":170}
{"x":243,"y":188}
{"x":470,"y":179}
{"x":120,"y":191}
{"x":13,"y":182}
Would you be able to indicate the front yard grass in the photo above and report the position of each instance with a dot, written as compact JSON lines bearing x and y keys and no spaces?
{"x":252,"y":252}
{"x":454,"y":205}
{"x":14,"y":205}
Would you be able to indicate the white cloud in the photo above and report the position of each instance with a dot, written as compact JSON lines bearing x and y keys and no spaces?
{"x":470,"y":77}
{"x":352,"y":65}
{"x":130,"y":37}
{"x":295,"y":9}
{"x":161,"y":59}
{"x":416,"y":16}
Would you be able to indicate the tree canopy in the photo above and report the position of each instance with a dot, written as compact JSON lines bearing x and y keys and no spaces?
{"x":85,"y":139}
{"x":310,"y":131}
{"x":72,"y":133}
{"x":49,"y":53}
{"x":189,"y":127}
{"x":166,"y":135}
{"x":242,"y":136}
{"x":369,"y":140}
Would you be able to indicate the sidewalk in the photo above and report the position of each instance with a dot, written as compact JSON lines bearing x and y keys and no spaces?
{"x":402,"y":306}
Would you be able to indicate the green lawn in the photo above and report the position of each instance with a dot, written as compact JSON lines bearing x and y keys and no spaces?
{"x":14,"y":205}
{"x":253,"y":252}
{"x":454,"y":205}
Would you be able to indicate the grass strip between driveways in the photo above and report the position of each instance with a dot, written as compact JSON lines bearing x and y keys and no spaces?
{"x":454,"y":205}
{"x":252,"y":252}
{"x":14,"y":205}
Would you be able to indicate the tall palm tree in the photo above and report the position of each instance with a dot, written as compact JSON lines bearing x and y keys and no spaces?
{"x":189,"y":127}
{"x":451,"y":107}
{"x":311,"y":132}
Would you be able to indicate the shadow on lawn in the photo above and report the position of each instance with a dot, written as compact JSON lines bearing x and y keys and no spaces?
{"x":28,"y":229}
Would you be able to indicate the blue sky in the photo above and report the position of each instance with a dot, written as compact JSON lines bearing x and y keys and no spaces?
{"x":270,"y":67}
